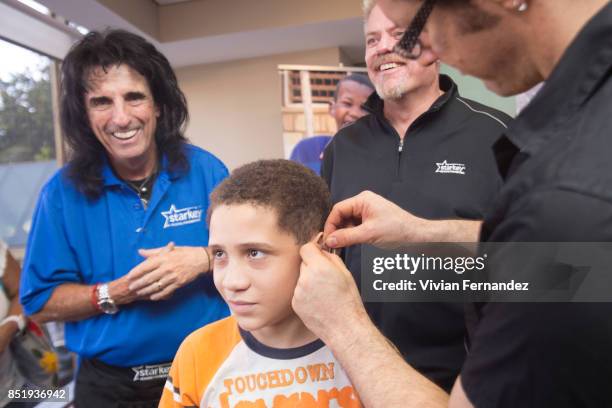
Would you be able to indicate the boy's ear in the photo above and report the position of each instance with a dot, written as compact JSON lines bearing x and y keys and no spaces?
{"x":316,"y":237}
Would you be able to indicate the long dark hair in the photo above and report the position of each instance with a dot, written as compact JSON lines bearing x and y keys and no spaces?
{"x":107,"y":49}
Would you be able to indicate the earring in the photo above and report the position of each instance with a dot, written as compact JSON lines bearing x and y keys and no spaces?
{"x":520,"y":6}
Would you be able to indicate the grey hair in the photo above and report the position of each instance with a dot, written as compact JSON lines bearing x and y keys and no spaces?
{"x":367,"y":7}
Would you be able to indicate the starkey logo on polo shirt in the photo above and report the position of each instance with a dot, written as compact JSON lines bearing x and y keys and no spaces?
{"x":151,"y":372}
{"x":450,"y":168}
{"x":183,"y":216}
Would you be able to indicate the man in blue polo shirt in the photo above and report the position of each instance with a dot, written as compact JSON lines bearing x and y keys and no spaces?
{"x":117,"y":247}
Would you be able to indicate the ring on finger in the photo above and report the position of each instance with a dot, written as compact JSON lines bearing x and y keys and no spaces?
{"x":159,"y":286}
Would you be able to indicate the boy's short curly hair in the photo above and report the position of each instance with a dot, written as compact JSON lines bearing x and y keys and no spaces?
{"x":299,"y":197}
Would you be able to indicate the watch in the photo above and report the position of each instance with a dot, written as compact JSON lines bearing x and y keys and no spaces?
{"x":105,"y":302}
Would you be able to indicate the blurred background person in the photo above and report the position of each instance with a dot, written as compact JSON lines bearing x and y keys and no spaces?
{"x":11,"y":322}
{"x":352,"y":91}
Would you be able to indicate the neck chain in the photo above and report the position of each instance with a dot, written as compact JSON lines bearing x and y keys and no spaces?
{"x":143,"y":188}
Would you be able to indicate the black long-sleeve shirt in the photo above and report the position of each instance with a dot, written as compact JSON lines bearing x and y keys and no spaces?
{"x":556,"y":160}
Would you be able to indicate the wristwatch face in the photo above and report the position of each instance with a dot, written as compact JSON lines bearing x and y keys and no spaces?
{"x":105,"y":303}
{"x":108,"y":306}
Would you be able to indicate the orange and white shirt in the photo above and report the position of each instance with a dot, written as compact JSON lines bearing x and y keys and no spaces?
{"x":222,"y":366}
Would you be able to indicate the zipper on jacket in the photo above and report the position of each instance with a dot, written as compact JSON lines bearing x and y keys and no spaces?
{"x":400,"y":148}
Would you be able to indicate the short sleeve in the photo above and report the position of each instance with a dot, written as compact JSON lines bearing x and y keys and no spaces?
{"x":197,"y":361}
{"x":180,"y":389}
{"x":50,"y":260}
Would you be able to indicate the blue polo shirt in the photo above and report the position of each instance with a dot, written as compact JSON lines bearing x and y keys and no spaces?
{"x":74,"y":239}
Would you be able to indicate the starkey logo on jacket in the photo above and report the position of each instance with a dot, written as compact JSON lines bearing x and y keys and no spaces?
{"x":183,"y":216}
{"x":450,"y":168}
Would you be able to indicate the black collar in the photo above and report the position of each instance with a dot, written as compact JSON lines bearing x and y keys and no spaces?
{"x":584,"y":66}
{"x":582,"y":69}
{"x":276,"y":353}
{"x":375,"y":105}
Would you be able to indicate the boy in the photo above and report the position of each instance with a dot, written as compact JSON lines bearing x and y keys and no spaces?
{"x":262,"y":356}
{"x":352,"y":92}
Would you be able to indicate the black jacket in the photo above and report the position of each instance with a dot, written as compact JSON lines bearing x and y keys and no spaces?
{"x":445,"y":169}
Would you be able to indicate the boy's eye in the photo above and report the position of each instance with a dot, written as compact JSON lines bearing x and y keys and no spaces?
{"x":255,"y":253}
{"x":218,"y":254}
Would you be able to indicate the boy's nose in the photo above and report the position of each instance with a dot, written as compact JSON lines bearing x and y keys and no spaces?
{"x":234,"y":279}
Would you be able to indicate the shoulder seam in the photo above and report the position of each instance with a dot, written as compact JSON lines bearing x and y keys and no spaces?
{"x":482,"y":112}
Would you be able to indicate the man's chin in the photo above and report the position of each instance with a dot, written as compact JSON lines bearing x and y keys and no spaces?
{"x":504,"y":89}
{"x":392,"y":95}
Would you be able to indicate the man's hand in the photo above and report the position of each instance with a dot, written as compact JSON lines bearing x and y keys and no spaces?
{"x":327,"y":300}
{"x":368,"y":218}
{"x":326,"y":297}
{"x":166,"y":269}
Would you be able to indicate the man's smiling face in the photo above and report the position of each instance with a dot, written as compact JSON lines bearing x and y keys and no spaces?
{"x":123,"y":116}
{"x":392,"y":75}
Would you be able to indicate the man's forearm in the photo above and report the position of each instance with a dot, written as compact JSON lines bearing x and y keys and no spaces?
{"x":68,"y":302}
{"x":379,"y":373}
{"x":447,"y":231}
{"x":73,"y":302}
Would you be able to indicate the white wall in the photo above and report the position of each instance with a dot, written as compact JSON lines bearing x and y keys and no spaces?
{"x":235,"y":106}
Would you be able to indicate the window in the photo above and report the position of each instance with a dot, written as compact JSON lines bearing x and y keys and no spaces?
{"x":28,"y":142}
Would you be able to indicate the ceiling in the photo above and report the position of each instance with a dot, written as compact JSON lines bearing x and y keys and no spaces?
{"x":191,"y":32}
{"x":167,"y":2}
